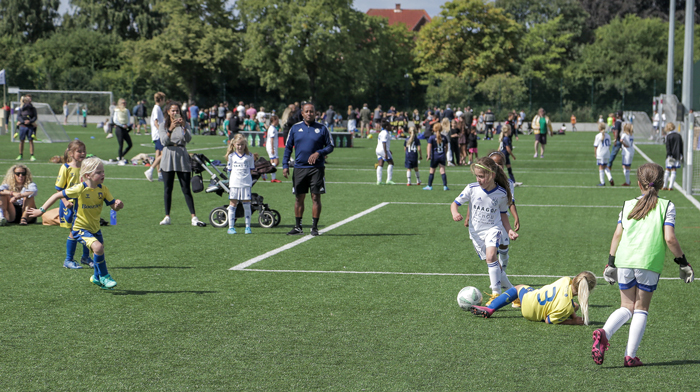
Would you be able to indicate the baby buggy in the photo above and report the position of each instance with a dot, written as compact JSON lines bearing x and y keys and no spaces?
{"x":218,"y":184}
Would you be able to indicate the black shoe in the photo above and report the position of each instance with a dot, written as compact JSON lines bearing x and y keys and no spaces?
{"x":314,"y":232}
{"x":296,"y":231}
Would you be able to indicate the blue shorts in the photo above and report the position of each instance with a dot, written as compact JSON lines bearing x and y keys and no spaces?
{"x":26,"y":133}
{"x":159,"y":145}
{"x":411,"y":162}
{"x":524,"y":291}
{"x":87,"y":238}
{"x":440,"y":160}
{"x":142,"y":121}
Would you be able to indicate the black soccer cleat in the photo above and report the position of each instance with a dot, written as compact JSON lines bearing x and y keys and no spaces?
{"x":314,"y":232}
{"x":296,"y":231}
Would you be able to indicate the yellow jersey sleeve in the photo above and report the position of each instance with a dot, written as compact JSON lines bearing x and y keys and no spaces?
{"x":552,"y":303}
{"x":67,"y":177}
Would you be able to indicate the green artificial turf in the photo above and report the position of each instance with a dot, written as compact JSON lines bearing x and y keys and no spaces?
{"x":370,"y":305}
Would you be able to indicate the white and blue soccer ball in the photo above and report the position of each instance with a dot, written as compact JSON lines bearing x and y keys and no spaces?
{"x":468,"y":297}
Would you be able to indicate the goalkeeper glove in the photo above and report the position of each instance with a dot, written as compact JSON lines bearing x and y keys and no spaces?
{"x":610,"y":273}
{"x":685,"y":270}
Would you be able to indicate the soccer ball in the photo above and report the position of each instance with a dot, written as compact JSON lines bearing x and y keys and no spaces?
{"x":468,"y":297}
{"x":369,"y":136}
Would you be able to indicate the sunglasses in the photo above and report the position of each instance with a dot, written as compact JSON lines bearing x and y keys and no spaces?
{"x":24,"y":173}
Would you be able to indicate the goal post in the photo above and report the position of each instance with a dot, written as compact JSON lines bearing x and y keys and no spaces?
{"x":97,"y":102}
{"x":48,"y":127}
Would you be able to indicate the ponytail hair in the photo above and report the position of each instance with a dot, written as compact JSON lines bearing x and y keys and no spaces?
{"x":651,"y":178}
{"x":601,"y":127}
{"x":437,"y":129}
{"x":628,"y":129}
{"x":488,"y":164}
{"x":73,"y":146}
{"x":585,"y":283}
{"x":412,"y":135}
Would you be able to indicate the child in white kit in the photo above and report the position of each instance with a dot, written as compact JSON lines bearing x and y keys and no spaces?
{"x":240,"y":163}
{"x":602,"y":154}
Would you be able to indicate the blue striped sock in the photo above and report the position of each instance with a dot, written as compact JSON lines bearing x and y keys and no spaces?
{"x":86,"y":252}
{"x":71,"y":244}
{"x":100,"y":266}
{"x":504,"y":299}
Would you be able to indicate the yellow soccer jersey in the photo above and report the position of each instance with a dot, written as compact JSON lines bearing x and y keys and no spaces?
{"x":89,"y":205}
{"x":67,"y":177}
{"x":553,"y":302}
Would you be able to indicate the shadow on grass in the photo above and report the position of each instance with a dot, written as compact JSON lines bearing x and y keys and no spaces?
{"x":669,"y":363}
{"x":369,"y":235}
{"x":151,"y":267}
{"x":144,"y":292}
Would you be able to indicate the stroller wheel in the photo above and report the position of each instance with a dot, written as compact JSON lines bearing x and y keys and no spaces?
{"x":266,"y":219}
{"x":219,"y":217}
{"x":277,"y":217}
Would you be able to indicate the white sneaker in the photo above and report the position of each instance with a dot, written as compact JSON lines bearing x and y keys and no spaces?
{"x":110,"y":135}
{"x":165,"y":221}
{"x":149,"y":175}
{"x":518,"y":183}
{"x":197,"y":222}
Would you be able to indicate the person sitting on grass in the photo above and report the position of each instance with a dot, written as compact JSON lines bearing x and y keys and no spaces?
{"x":16,"y":196}
{"x":553,"y":303}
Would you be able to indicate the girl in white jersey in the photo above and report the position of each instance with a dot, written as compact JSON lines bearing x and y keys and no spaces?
{"x":271,"y":143}
{"x":487,"y":200}
{"x":602,"y":154}
{"x":627,"y":151}
{"x":383,"y":151}
{"x":240,"y":163}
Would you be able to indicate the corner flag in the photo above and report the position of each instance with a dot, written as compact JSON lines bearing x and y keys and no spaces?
{"x":2,"y":77}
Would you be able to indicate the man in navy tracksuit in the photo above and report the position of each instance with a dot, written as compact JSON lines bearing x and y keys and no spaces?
{"x":311,"y":142}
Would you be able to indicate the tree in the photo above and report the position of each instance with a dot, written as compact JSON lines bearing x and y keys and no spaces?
{"x":469,"y":38}
{"x":503,"y":90}
{"x":546,"y":50}
{"x":28,"y":19}
{"x":128,"y":19}
{"x":450,"y":89}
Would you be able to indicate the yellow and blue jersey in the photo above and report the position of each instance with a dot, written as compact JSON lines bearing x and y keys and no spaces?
{"x":89,"y":205}
{"x":552,"y":303}
{"x":67,"y":177}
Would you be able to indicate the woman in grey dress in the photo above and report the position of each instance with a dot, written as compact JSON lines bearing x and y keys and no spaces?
{"x":175,"y":160}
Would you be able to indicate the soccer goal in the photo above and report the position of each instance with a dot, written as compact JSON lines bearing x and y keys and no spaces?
{"x":48,"y":127}
{"x":643,"y":129}
{"x":73,"y":116}
{"x":97,"y":102}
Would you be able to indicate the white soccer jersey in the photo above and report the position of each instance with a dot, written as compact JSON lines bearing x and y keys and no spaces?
{"x":240,"y":167}
{"x":382,"y":138}
{"x":156,"y":114}
{"x":485,"y":207}
{"x":602,"y":142}
{"x":271,"y":143}
{"x":627,"y":152}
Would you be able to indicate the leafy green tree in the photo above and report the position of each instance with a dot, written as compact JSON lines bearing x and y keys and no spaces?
{"x":546,"y":50}
{"x":28,"y":19}
{"x":470,"y":38}
{"x":128,"y":19}
{"x":503,"y":90}
{"x":450,"y":89}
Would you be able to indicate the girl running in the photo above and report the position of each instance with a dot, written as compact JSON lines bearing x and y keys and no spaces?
{"x":487,"y":201}
{"x":506,"y":143}
{"x":437,"y":155}
{"x":411,"y":148}
{"x":68,"y":176}
{"x":271,"y":144}
{"x":601,"y":150}
{"x":90,"y":195}
{"x":645,"y":228}
{"x":240,"y":163}
{"x":552,"y":303}
{"x":627,"y":151}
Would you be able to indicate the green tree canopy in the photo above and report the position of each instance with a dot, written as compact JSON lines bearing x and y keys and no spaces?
{"x":28,"y":19}
{"x":128,"y":19}
{"x":503,"y":90}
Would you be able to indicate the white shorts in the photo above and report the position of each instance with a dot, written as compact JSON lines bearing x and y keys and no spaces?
{"x":492,"y":237}
{"x":627,"y":157}
{"x":240,"y":193}
{"x":645,"y":280}
{"x":602,"y":161}
{"x":672,"y":163}
{"x":271,"y":151}
{"x":380,"y":155}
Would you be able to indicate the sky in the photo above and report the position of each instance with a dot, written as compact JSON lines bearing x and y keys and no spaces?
{"x":432,"y":7}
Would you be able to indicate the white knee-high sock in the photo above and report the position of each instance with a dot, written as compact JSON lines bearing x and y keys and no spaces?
{"x":616,"y":320}
{"x":390,"y":172}
{"x":274,"y":176}
{"x":627,"y":175}
{"x":408,"y":176}
{"x":495,"y":276}
{"x":231,"y":216}
{"x":608,"y":174}
{"x":601,"y":175}
{"x":247,"y":213}
{"x":672,"y":179}
{"x":503,"y":260}
{"x":666,"y":174}
{"x":637,"y":327}
{"x":417,"y":176}
{"x":379,"y":173}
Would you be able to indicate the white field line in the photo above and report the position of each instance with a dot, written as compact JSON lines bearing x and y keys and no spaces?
{"x":408,"y":273}
{"x":306,"y":238}
{"x":676,"y":185}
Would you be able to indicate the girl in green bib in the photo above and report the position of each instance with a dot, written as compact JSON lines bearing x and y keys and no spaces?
{"x":645,"y":229}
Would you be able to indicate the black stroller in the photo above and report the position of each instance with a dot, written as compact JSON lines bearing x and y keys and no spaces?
{"x":218,"y":184}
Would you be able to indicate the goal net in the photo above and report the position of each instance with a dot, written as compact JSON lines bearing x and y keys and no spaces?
{"x":97,"y":102}
{"x":48,"y":128}
{"x":643,"y":129}
{"x":72,"y":114}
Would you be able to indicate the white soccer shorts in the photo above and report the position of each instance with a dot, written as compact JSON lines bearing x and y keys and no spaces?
{"x":382,"y":156}
{"x":272,"y":151}
{"x":672,"y":163}
{"x":627,"y":158}
{"x":492,"y":237}
{"x":644,"y":279}
{"x":240,"y":193}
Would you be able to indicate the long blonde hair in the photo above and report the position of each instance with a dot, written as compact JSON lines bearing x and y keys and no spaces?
{"x":411,"y":135}
{"x":584,"y":282}
{"x":232,"y":145}
{"x":445,"y":124}
{"x":601,"y":127}
{"x":437,"y":129}
{"x":89,"y":166}
{"x":651,"y":177}
{"x":504,"y":131}
{"x":11,"y":180}
{"x":628,"y":129}
{"x":501,"y":178}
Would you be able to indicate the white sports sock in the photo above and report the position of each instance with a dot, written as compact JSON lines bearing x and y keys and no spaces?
{"x":608,"y":174}
{"x":231,"y":216}
{"x":495,"y":277}
{"x":408,"y":176}
{"x":417,"y":176}
{"x":666,"y":174}
{"x":390,"y":172}
{"x":602,"y":176}
{"x":627,"y":175}
{"x":616,"y":320}
{"x":379,"y":174}
{"x":637,"y":327}
{"x":274,"y":176}
{"x":247,"y":213}
{"x":503,"y":260}
{"x":672,"y":179}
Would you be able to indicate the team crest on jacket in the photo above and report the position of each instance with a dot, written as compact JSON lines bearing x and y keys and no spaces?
{"x":317,"y":130}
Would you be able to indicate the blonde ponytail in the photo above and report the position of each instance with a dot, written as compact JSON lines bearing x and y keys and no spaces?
{"x":584,"y":282}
